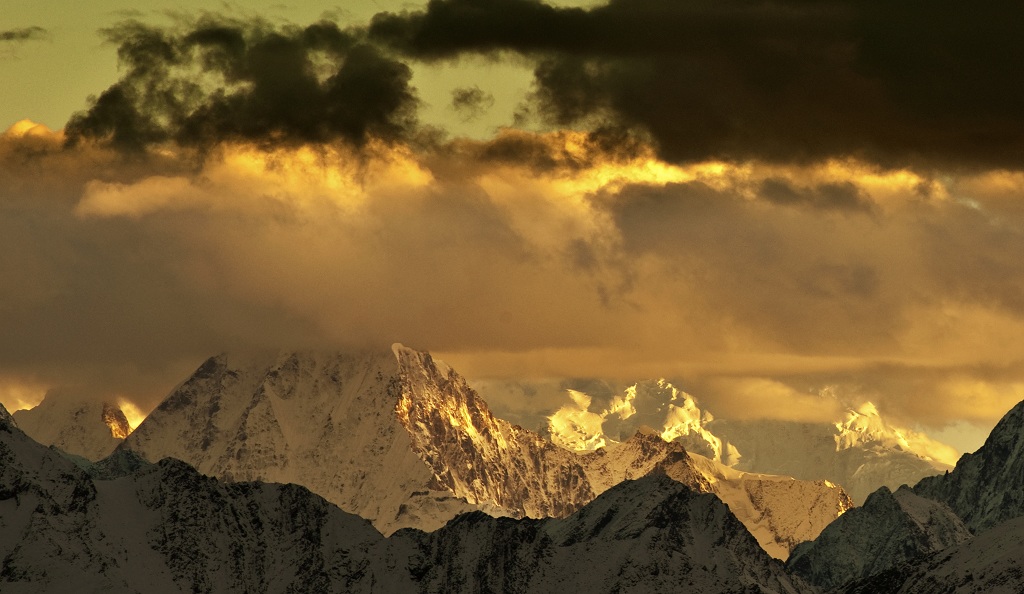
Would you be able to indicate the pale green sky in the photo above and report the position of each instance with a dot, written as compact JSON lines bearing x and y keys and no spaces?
{"x":46,"y":80}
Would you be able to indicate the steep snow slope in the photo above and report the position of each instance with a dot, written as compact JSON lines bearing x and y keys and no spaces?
{"x":990,"y":563}
{"x":779,"y":511}
{"x":83,"y":427}
{"x":390,"y":436}
{"x":324,"y":421}
{"x":986,"y":487}
{"x":890,"y":529}
{"x":166,"y":528}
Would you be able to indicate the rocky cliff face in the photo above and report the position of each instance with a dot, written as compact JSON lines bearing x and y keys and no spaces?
{"x":986,"y":487}
{"x":990,"y":563}
{"x":889,"y":530}
{"x":919,"y":540}
{"x":164,"y":527}
{"x":475,"y":455}
{"x":391,"y":436}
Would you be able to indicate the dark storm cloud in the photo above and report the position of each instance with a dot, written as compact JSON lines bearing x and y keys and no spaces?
{"x":23,"y":34}
{"x":218,"y":79}
{"x":908,"y":83}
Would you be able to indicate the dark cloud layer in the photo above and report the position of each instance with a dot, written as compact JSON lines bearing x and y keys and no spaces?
{"x":908,"y":83}
{"x":218,"y":79}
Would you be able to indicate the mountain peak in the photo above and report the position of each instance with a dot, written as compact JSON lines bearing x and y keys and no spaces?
{"x":889,"y":529}
{"x":82,"y":426}
{"x":986,"y":487}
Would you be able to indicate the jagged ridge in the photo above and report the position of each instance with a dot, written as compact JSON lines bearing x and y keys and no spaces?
{"x":890,"y":529}
{"x":986,"y":487}
{"x":166,"y":528}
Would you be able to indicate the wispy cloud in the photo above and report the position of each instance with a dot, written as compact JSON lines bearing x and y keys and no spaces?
{"x":23,"y":34}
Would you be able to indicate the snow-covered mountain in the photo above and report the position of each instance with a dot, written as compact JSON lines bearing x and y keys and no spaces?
{"x":648,"y":535}
{"x":653,"y":405}
{"x":779,"y":511}
{"x":330,"y":422}
{"x":919,"y":540}
{"x":162,"y":528}
{"x":890,"y":529}
{"x":79,"y":426}
{"x":986,"y":487}
{"x":861,"y":451}
{"x":402,"y":440}
{"x":990,"y":563}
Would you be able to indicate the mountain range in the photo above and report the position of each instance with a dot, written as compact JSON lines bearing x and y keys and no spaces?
{"x":164,"y":527}
{"x":860,"y":450}
{"x":81,"y":426}
{"x":385,"y":471}
{"x":949,"y":533}
{"x":404,"y":441}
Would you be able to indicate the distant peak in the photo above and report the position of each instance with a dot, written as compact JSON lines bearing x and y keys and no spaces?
{"x":115,"y":419}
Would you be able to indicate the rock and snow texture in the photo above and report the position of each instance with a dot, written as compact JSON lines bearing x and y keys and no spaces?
{"x":324,"y":421}
{"x":475,"y":455}
{"x":402,"y":440}
{"x":166,"y":528}
{"x":652,"y":405}
{"x":990,"y":563}
{"x":649,"y":535}
{"x":983,"y":494}
{"x":890,"y":529}
{"x":391,"y":436}
{"x":86,"y":428}
{"x":986,"y":487}
{"x":779,"y":511}
{"x":162,"y":528}
{"x":861,"y":452}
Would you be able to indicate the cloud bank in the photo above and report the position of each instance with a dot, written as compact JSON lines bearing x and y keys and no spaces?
{"x":248,"y":186}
